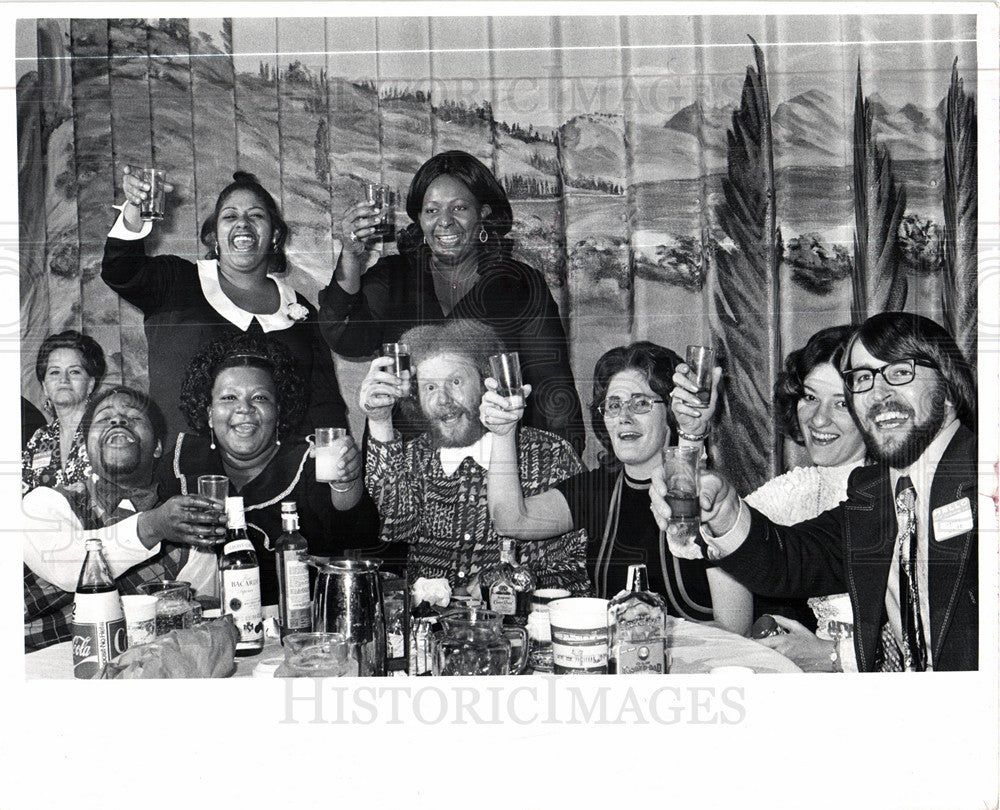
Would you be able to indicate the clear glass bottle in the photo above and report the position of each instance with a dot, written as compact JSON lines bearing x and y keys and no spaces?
{"x":510,"y":586}
{"x":294,"y":603}
{"x":240,"y":578}
{"x":637,"y":627}
{"x":98,"y":624}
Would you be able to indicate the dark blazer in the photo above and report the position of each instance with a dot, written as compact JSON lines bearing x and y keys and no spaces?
{"x":850,"y":548}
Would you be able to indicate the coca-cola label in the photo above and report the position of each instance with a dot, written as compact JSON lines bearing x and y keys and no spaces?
{"x":241,"y":599}
{"x":99,"y":633}
{"x":95,"y":645}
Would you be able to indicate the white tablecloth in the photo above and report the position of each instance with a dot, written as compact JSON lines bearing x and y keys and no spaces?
{"x":694,"y":648}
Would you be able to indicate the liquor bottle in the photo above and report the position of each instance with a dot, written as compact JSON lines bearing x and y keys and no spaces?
{"x":240,"y":578}
{"x":98,"y":625}
{"x":294,"y":604}
{"x":637,"y":627}
{"x":510,"y":586}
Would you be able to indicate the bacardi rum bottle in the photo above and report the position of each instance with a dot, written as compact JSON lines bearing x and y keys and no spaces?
{"x":240,"y":577}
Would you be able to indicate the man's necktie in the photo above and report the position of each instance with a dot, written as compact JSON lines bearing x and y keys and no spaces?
{"x":915,"y":650}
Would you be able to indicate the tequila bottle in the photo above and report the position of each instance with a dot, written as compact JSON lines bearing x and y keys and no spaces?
{"x":636,"y":627}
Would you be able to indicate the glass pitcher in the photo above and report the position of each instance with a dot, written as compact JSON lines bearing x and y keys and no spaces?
{"x":473,"y":641}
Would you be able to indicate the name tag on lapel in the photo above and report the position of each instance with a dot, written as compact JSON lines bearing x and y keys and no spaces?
{"x":952,"y":519}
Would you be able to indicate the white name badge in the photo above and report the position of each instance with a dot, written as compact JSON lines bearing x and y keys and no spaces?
{"x":952,"y":519}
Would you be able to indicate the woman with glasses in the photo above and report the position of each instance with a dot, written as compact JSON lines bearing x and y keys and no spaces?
{"x":635,"y":415}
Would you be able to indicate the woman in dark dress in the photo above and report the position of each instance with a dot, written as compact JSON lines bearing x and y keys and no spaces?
{"x":454,"y":262}
{"x":238,"y":287}
{"x":635,"y":415}
{"x":243,"y":396}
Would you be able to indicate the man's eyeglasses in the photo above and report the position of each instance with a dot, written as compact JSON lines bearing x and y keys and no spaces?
{"x":900,"y":372}
{"x":637,"y":403}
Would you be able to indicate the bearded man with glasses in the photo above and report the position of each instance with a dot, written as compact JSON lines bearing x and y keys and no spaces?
{"x":904,"y":544}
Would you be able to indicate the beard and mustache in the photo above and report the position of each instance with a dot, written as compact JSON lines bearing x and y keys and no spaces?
{"x":909,"y":447}
{"x":460,"y":433}
{"x":119,"y":460}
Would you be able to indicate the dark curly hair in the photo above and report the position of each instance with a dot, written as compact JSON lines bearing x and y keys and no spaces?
{"x":91,"y":353}
{"x":239,"y":351}
{"x":478,"y":179}
{"x":826,"y":346}
{"x":244,"y":181}
{"x":655,"y":362}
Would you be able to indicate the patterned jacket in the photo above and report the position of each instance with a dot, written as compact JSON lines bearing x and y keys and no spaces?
{"x":445,"y":519}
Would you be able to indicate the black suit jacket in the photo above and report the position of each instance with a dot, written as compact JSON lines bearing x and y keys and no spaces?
{"x":850,"y":548}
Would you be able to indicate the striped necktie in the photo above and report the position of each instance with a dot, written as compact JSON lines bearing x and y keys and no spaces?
{"x":915,"y":650}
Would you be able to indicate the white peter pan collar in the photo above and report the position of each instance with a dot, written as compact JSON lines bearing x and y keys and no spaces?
{"x":208,"y":275}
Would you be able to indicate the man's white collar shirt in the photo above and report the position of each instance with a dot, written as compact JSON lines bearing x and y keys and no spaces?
{"x":480,"y":452}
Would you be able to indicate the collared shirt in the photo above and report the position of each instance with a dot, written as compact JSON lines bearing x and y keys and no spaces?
{"x":921,"y":473}
{"x":480,"y":452}
{"x":55,"y":526}
{"x":445,"y":518}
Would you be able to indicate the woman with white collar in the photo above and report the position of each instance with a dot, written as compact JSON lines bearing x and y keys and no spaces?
{"x":239,"y":286}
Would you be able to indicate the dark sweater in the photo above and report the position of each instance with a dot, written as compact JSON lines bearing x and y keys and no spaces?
{"x":179,"y":321}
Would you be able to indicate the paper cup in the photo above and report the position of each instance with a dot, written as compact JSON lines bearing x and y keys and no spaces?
{"x":540,"y":598}
{"x":579,"y":628}
{"x":140,"y":618}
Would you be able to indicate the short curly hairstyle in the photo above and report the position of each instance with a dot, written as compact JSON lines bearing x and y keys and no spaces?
{"x":826,"y":346}
{"x":243,"y":351}
{"x":91,"y":353}
{"x":463,"y":337}
{"x":244,"y":181}
{"x":653,"y":361}
{"x":137,"y":398}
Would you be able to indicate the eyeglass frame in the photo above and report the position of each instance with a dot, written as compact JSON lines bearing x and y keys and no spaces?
{"x":912,"y":362}
{"x":602,"y":409}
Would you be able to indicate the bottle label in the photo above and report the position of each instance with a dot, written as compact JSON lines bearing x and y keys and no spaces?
{"x":635,"y":657}
{"x":503,"y":599}
{"x":241,"y":599}
{"x":98,"y":632}
{"x":298,"y":607}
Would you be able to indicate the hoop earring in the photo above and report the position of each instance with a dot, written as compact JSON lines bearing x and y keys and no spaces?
{"x":484,"y":237}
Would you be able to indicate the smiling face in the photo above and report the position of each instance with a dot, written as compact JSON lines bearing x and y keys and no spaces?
{"x":899,"y":421}
{"x":450,"y":218}
{"x":244,"y":232}
{"x":832,"y":438}
{"x":66,"y":382}
{"x":450,"y":389}
{"x":637,"y":439}
{"x":244,"y":414}
{"x":121,"y":441}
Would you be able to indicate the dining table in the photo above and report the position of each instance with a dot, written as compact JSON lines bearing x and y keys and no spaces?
{"x":692,"y":648}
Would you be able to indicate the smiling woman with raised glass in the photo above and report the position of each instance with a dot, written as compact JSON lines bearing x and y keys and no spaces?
{"x":455,"y":261}
{"x":243,"y":397}
{"x":240,"y":286}
{"x":635,"y":414}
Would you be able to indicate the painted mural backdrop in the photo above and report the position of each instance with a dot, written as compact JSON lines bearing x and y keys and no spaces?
{"x":673,"y":180}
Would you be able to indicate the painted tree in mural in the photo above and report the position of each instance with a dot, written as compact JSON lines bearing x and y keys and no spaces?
{"x":961,"y":212}
{"x":746,"y":289}
{"x":877,"y":281}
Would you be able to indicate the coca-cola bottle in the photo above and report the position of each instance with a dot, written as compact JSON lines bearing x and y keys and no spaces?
{"x":98,"y":621}
{"x":239,"y":573}
{"x":294,"y":604}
